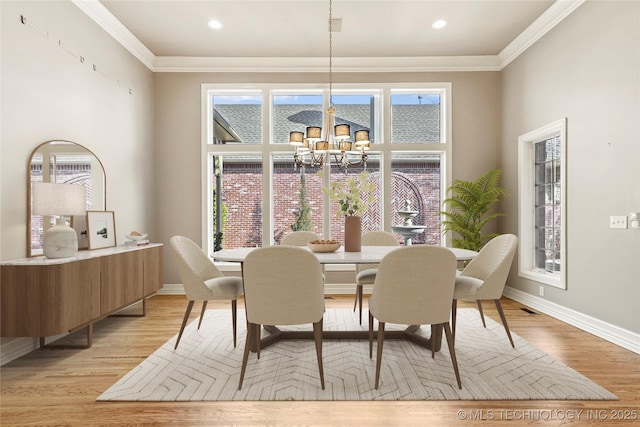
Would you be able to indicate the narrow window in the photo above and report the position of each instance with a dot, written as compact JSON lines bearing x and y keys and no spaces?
{"x":542,"y":185}
{"x":548,"y":196}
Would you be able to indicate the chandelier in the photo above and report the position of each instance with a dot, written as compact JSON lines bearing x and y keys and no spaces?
{"x":315,"y":147}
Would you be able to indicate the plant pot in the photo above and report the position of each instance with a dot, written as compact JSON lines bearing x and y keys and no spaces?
{"x":352,"y":233}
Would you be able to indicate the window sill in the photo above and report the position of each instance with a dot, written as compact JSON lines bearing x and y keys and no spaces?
{"x":554,"y":280}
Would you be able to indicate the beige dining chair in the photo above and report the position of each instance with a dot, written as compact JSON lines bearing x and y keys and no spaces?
{"x":299,"y":238}
{"x":366,"y":273}
{"x":485,"y":276}
{"x":202,"y":281}
{"x":283,"y":285}
{"x":414,"y":286}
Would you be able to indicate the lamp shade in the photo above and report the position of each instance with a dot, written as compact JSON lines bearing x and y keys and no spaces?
{"x":59,"y":199}
{"x":314,"y":133}
{"x":343,"y":132}
{"x":362,"y":137}
{"x":295,"y":138}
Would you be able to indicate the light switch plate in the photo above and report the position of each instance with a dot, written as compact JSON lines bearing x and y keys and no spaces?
{"x":618,"y":221}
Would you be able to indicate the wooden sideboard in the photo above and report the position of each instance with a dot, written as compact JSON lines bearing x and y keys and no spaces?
{"x":42,"y":297}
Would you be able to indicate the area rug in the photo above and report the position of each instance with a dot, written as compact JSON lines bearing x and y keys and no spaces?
{"x":206,"y":367}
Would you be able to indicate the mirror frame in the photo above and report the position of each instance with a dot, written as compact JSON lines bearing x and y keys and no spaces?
{"x":30,"y":254}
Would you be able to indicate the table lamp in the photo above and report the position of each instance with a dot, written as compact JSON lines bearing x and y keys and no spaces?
{"x":60,"y":241}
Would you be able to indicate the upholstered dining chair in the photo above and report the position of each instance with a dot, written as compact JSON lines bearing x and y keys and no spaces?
{"x":485,"y":276}
{"x":413,"y":286}
{"x":282,"y":286}
{"x":202,"y":281}
{"x":366,"y":273}
{"x":299,"y":238}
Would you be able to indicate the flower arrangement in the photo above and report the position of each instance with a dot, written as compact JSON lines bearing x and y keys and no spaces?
{"x":353,"y":195}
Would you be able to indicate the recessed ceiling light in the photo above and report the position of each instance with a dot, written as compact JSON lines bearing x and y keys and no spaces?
{"x":216,"y":25}
{"x":440,"y":23}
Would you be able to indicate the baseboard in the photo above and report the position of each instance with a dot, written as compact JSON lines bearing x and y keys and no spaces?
{"x":171,"y":289}
{"x":612,"y":333}
{"x":18,"y":347}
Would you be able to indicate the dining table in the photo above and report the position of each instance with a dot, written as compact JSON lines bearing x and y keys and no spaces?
{"x":367,"y":255}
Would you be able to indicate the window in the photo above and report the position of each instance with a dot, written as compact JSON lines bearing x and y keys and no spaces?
{"x":415,"y":117}
{"x":237,"y":119}
{"x":542,"y":185}
{"x":254,"y":194}
{"x":415,"y":179}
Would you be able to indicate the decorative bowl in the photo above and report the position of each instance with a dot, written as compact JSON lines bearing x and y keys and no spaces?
{"x":136,"y":237}
{"x":323,"y":245}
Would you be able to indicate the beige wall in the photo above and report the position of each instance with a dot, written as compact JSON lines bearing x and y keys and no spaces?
{"x":476,"y":136}
{"x":588,"y":70}
{"x":49,"y":94}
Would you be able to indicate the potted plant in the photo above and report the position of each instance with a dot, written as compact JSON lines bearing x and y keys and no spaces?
{"x":353,"y":197}
{"x":469,"y":208}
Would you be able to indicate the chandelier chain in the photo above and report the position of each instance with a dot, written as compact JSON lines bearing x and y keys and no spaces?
{"x":330,"y":53}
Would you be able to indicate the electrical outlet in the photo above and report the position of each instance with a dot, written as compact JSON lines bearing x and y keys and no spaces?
{"x":618,"y":221}
{"x":541,"y":291}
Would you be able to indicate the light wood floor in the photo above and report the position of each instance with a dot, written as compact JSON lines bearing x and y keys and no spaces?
{"x":59,"y":387}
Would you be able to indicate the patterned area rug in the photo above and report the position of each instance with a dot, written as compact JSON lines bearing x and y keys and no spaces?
{"x":206,"y":367}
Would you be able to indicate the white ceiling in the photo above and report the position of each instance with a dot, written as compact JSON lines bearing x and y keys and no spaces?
{"x":170,"y":35}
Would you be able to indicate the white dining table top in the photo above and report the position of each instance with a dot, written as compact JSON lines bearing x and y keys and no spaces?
{"x":367,"y":255}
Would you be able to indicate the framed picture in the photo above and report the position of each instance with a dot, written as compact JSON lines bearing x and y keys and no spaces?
{"x":101,"y":229}
{"x":79,"y":224}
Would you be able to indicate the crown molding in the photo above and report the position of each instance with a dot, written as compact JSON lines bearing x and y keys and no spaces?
{"x":175,"y":64}
{"x":559,"y":10}
{"x":538,"y":28}
{"x":105,"y":19}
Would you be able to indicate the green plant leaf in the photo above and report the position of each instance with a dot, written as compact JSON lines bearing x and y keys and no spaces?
{"x":468,"y":209}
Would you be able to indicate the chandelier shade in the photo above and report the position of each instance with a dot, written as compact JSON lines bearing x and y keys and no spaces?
{"x":314,"y":133}
{"x":342,"y":132}
{"x":296,"y":138}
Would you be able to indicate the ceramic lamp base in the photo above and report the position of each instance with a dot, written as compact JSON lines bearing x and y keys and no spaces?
{"x":60,"y":241}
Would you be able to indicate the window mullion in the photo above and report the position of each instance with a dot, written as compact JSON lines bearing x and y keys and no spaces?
{"x":267,"y":169}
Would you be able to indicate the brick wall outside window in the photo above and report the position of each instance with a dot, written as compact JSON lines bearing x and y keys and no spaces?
{"x":242,"y":196}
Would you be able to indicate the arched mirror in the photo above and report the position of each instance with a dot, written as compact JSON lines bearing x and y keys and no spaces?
{"x":63,"y":162}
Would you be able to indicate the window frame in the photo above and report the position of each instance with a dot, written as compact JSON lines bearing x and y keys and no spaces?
{"x":526,"y":204}
{"x":267,"y":148}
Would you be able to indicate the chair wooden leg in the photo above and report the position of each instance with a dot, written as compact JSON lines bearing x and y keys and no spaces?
{"x":452,"y":351}
{"x":504,"y":321}
{"x":234,"y":319}
{"x":317,"y":337}
{"x":245,"y":357}
{"x":355,"y":302}
{"x":204,"y":308}
{"x":481,"y":313}
{"x":256,"y":335}
{"x":184,"y":322}
{"x":454,"y":313}
{"x":433,"y":351}
{"x":370,"y":335}
{"x":379,"y":352}
{"x":360,"y":301}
